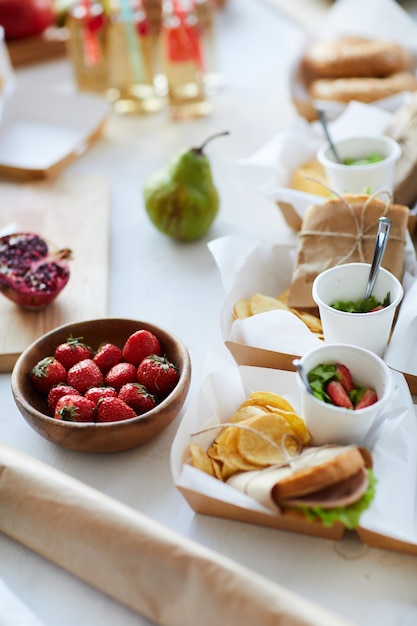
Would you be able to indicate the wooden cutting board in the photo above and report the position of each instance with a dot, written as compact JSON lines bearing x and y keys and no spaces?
{"x":47,"y":46}
{"x":72,"y":212}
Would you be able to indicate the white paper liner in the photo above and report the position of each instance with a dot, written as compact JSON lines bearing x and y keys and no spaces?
{"x":247,"y":267}
{"x":275,"y":162}
{"x":137,"y":561}
{"x":393,"y":512}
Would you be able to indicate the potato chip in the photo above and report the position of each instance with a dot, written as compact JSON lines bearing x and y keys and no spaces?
{"x":200,"y":459}
{"x":231,"y":455}
{"x":261,"y":303}
{"x":279,"y":405}
{"x":242,"y":309}
{"x":283,"y":296}
{"x":264,"y":443}
{"x":297,"y":424}
{"x":311,"y":321}
{"x":247,"y":411}
{"x":217,"y":468}
{"x":267,"y":398}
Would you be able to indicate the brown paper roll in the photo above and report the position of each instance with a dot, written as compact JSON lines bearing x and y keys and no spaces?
{"x":135,"y":560}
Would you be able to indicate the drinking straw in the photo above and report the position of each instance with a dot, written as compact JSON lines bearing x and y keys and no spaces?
{"x":91,"y":48}
{"x":188,"y":34}
{"x":132,"y":42}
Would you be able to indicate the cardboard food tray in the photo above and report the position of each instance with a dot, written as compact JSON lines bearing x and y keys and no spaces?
{"x":276,"y":338}
{"x":208,"y":496}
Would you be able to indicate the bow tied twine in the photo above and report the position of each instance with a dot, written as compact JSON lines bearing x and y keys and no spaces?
{"x":361,"y":233}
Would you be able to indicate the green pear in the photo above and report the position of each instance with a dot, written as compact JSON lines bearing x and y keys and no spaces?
{"x":181,"y":200}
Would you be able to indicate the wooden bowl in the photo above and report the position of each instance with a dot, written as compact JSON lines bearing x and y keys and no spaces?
{"x":101,"y":437}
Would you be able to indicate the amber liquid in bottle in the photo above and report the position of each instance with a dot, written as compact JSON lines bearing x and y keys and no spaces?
{"x":132,"y":55}
{"x":183,"y":62}
{"x":86,"y":23}
{"x":206,"y":14}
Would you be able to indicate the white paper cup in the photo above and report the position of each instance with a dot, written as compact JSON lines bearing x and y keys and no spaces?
{"x":346,"y":283}
{"x":331,"y":424}
{"x":371,"y":178}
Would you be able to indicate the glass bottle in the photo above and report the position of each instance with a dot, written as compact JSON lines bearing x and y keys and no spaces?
{"x":132,"y":55}
{"x":206,"y":14}
{"x":183,"y":61}
{"x":86,"y":23}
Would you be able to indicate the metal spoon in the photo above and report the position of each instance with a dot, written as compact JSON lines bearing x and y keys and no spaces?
{"x":384,"y":226}
{"x":322,"y":118}
{"x":303,"y":375}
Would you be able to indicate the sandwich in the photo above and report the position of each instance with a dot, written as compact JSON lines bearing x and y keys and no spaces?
{"x":330,"y":483}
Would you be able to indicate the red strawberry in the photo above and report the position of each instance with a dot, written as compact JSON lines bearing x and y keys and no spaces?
{"x":158,"y":375}
{"x":120,"y":374}
{"x":84,"y":374}
{"x":95,"y":393}
{"x":72,"y":351}
{"x":344,"y":377}
{"x":368,"y":398}
{"x":338,"y":395}
{"x":46,"y":373}
{"x":113,"y":410}
{"x":106,"y":356}
{"x":139,"y":345}
{"x":138,"y":397}
{"x":73,"y":408}
{"x":57,"y":392}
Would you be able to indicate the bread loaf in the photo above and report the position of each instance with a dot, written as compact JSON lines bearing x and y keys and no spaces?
{"x":365,"y":89}
{"x":354,"y":68}
{"x":355,"y":57}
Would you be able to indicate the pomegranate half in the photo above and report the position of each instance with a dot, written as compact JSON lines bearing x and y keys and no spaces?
{"x":32,"y":273}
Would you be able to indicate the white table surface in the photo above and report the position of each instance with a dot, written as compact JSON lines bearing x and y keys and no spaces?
{"x":153,"y":278}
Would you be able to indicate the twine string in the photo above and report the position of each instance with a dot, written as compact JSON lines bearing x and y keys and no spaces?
{"x":361,"y":233}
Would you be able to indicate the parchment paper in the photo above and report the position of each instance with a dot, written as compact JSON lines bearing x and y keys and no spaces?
{"x":393,"y":512}
{"x":154,"y":571}
{"x":249,"y":266}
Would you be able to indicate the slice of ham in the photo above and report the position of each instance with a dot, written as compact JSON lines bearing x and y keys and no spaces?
{"x":341,"y":494}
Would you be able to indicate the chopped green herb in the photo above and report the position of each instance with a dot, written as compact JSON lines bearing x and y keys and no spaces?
{"x":372,"y":158}
{"x":362,"y":306}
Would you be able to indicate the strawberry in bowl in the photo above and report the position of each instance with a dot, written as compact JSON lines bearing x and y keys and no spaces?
{"x":47,"y":392}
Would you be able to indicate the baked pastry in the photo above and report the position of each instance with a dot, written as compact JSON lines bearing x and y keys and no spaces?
{"x":343,"y":230}
{"x":353,"y":68}
{"x":363,"y":89}
{"x":310,"y":177}
{"x":354,"y":57}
